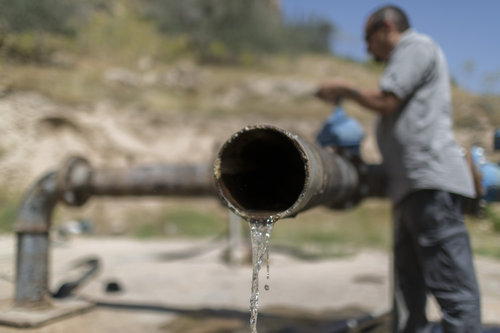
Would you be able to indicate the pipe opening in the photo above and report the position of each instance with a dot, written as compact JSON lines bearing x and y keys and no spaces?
{"x":262,"y":170}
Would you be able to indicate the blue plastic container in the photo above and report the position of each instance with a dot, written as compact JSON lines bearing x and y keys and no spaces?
{"x":496,"y":140}
{"x":341,"y":131}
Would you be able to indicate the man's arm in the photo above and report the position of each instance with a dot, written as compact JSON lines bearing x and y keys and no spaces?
{"x":375,"y":100}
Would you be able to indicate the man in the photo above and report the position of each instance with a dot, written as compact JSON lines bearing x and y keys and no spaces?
{"x":427,"y":174}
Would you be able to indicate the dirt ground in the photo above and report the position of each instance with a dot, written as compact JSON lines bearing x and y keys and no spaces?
{"x":163,"y":290}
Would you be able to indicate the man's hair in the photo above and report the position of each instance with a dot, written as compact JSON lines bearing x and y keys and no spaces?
{"x":393,"y":14}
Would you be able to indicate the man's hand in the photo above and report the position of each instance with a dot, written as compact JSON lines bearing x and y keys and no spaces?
{"x":335,"y":88}
{"x":375,"y":100}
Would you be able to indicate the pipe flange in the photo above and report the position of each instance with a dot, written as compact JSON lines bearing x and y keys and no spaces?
{"x":73,"y":181}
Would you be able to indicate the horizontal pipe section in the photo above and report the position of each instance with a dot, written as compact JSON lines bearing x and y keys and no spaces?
{"x":78,"y":181}
{"x":156,"y":180}
{"x":264,"y":171}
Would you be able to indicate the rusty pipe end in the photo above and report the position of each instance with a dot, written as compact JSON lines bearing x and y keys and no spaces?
{"x":261,"y":172}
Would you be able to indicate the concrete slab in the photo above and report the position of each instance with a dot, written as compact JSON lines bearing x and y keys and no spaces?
{"x":30,"y":318}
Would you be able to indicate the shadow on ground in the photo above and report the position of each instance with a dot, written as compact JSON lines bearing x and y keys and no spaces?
{"x":271,"y":320}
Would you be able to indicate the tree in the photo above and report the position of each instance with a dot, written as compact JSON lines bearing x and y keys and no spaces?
{"x":221,"y":28}
{"x":37,"y":15}
{"x":24,"y":25}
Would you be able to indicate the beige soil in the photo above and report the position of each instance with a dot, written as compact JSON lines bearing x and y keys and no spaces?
{"x":37,"y":136}
{"x":355,"y":285}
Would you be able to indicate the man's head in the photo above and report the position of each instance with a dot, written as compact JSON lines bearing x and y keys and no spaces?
{"x":383,"y":30}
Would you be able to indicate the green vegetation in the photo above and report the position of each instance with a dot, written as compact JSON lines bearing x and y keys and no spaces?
{"x":485,"y":232}
{"x":52,"y":16}
{"x":316,"y":234}
{"x":8,"y":210}
{"x":323,"y":232}
{"x":178,"y":222}
{"x":29,"y":29}
{"x":492,"y":213}
{"x":235,"y":31}
{"x":213,"y":31}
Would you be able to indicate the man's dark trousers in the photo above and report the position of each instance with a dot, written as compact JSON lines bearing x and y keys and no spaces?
{"x":432,"y":254}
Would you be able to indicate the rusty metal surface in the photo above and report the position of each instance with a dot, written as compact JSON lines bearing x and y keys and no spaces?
{"x":37,"y":206}
{"x":32,"y":228}
{"x":74,"y":183}
{"x":32,"y":270}
{"x":78,"y":181}
{"x":154,"y":180}
{"x":264,"y":171}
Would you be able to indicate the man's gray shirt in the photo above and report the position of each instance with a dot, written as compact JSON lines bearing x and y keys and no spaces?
{"x":416,"y":142}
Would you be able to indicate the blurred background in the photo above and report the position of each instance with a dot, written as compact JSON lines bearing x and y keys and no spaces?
{"x":131,"y":82}
{"x":126,"y":82}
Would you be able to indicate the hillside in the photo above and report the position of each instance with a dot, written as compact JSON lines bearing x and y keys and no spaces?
{"x":157,"y":112}
{"x":122,"y":94}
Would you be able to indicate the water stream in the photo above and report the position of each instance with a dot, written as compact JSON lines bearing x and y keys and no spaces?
{"x":260,"y":234}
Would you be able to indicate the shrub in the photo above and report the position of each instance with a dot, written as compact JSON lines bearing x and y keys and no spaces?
{"x":221,"y":31}
{"x":25,"y":24}
{"x":41,"y":15}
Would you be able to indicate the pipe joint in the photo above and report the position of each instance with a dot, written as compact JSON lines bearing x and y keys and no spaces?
{"x":370,"y":181}
{"x":37,"y":205}
{"x":73,"y":181}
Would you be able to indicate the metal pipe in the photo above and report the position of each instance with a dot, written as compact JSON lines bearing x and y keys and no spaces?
{"x":32,"y":229}
{"x":78,"y":181}
{"x":264,"y":171}
{"x":74,"y":184}
{"x":155,"y":180}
